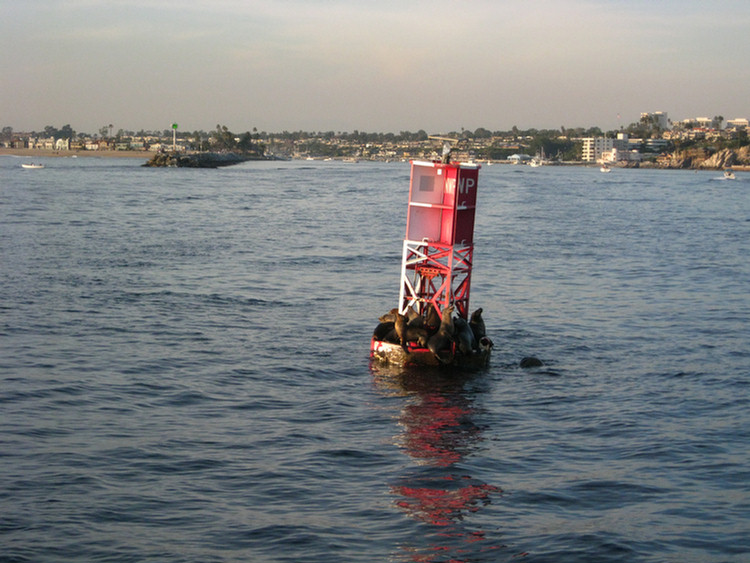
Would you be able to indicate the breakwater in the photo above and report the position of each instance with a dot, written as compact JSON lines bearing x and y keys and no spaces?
{"x":199,"y":160}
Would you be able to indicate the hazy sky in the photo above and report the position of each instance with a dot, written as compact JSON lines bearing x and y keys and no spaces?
{"x":375,"y":65}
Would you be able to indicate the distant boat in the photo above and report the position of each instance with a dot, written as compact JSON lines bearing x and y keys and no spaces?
{"x":605,"y":168}
{"x":729,"y":174}
{"x":32,"y":165}
{"x":538,"y":160}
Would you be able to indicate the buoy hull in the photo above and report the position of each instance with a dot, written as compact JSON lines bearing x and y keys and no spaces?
{"x":394,"y":354}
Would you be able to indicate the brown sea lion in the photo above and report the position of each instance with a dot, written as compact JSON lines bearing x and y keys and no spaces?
{"x":531,"y":362}
{"x":444,"y":336}
{"x":389,"y":317}
{"x":381,"y":331}
{"x":477,"y":325}
{"x":407,"y":333}
{"x":464,"y":336}
{"x":411,"y":315}
{"x":400,"y":326}
{"x":432,"y":318}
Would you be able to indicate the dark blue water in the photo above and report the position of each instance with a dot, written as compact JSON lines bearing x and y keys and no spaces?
{"x":185,"y":374}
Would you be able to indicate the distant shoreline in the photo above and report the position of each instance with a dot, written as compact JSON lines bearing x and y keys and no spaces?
{"x":145,"y":155}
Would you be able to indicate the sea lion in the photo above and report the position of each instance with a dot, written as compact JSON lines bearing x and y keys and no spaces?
{"x":417,"y":334}
{"x":381,"y":331}
{"x":464,"y":336}
{"x":485,"y":344}
{"x":406,"y":333}
{"x":477,"y":325}
{"x":432,"y":318}
{"x":400,"y":327}
{"x":417,"y":321}
{"x":444,"y":336}
{"x":389,"y":317}
{"x":411,"y":315}
{"x":531,"y":362}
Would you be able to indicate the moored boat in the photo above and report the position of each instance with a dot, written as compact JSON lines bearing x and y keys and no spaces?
{"x":32,"y":165}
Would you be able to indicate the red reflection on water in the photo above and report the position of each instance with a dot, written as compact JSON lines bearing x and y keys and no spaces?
{"x":443,"y":507}
{"x":438,"y":432}
{"x":438,"y":429}
{"x":446,"y":507}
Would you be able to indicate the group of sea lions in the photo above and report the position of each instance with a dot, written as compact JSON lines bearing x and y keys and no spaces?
{"x":435,"y":332}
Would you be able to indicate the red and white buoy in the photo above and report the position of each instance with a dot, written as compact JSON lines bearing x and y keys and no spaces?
{"x":439,"y":245}
{"x":438,"y":254}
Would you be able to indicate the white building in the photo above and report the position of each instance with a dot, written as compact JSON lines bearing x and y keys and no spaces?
{"x":622,"y":142}
{"x":616,"y":155}
{"x":737,"y":123}
{"x":594,"y":148}
{"x":705,"y":123}
{"x":659,"y":118}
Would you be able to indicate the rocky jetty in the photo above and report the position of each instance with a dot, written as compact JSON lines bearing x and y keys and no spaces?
{"x":684,"y":159}
{"x":701,"y":159}
{"x":199,"y":160}
{"x":727,"y":158}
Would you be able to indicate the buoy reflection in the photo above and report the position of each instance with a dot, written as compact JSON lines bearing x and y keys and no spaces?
{"x":438,"y":432}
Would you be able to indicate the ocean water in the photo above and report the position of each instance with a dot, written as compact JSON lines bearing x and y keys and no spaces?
{"x":185,"y":377}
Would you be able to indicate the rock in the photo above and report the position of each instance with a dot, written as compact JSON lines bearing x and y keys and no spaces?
{"x":699,"y":159}
{"x":198,"y":160}
{"x":720,"y":160}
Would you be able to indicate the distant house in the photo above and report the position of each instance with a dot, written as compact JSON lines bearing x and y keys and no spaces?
{"x":62,"y":144}
{"x":97,"y":145}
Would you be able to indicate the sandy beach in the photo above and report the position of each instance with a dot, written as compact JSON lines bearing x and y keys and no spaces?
{"x":36,"y":153}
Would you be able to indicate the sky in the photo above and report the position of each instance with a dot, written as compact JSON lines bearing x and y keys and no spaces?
{"x":375,"y":65}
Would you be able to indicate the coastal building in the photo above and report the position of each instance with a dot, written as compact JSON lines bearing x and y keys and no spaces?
{"x":702,"y":123}
{"x":648,"y":145}
{"x":658,"y":118}
{"x":622,"y":142}
{"x":595,"y":147}
{"x":616,"y":155}
{"x":706,"y":123}
{"x":622,"y":151}
{"x":737,"y":123}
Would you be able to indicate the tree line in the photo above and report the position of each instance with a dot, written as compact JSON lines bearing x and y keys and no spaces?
{"x":554,"y":143}
{"x":356,"y":136}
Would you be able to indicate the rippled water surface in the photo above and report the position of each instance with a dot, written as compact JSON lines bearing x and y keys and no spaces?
{"x":185,"y":373}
